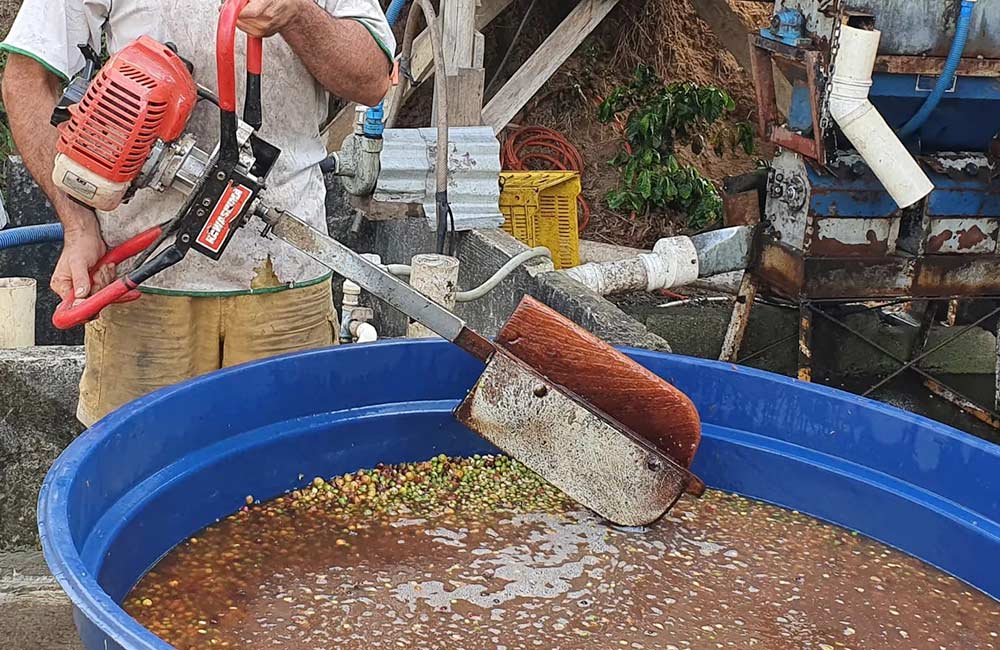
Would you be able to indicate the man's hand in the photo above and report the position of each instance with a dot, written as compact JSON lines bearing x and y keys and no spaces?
{"x":82,"y":247}
{"x":263,"y":18}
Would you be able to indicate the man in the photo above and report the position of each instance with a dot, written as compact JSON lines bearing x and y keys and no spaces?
{"x":263,"y":297}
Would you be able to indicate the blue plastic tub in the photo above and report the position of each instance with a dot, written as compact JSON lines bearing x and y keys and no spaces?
{"x":160,"y":469}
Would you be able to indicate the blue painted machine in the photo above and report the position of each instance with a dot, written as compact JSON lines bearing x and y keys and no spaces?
{"x":883,"y":188}
{"x":832,"y":230}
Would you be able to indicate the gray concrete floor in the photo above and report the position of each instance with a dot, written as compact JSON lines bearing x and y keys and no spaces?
{"x":34,"y":612}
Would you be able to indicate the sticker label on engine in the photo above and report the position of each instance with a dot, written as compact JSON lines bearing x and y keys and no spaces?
{"x":213,"y":235}
{"x":76,"y":185}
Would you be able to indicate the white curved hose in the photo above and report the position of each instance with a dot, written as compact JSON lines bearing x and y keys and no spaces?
{"x":503,"y":272}
{"x":864,"y":126}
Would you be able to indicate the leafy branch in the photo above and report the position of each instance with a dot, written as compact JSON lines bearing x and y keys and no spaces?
{"x":661,"y":118}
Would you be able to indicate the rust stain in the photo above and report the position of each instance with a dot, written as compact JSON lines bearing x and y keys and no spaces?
{"x":937,"y":242}
{"x":969,"y":238}
{"x":742,"y":209}
{"x":828,"y":246}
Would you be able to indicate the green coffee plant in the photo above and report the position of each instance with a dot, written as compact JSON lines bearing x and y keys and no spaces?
{"x":660,"y":118}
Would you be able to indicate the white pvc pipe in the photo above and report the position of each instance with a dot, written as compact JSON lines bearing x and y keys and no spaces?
{"x":435,"y":276}
{"x":17,"y":312}
{"x":864,"y":126}
{"x":673,"y":264}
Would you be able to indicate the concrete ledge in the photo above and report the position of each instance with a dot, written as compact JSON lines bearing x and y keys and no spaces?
{"x":481,"y":254}
{"x":37,"y":421}
{"x":35,"y":614}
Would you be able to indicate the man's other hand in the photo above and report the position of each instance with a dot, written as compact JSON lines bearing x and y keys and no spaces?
{"x":82,"y":247}
{"x":263,"y":18}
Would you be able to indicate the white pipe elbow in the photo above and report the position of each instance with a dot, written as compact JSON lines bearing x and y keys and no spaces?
{"x":864,"y":126}
{"x":364,"y":332}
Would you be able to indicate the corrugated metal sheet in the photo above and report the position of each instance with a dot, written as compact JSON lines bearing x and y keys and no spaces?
{"x":407,"y":174}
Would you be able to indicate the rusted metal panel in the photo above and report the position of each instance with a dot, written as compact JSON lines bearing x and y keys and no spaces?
{"x":768,"y":115}
{"x":928,"y":26}
{"x":957,"y":275}
{"x":966,"y":236}
{"x":627,"y":482}
{"x":836,"y":237}
{"x":829,"y":278}
{"x":794,"y":142}
{"x":894,"y":276}
{"x":909,"y":27}
{"x":781,"y":269}
{"x":743,"y":198}
{"x":741,"y":209}
{"x":763,"y":83}
{"x":932,"y":66}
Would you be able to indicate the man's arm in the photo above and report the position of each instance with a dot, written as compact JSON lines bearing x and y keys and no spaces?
{"x":30,"y":92}
{"x":339,"y":53}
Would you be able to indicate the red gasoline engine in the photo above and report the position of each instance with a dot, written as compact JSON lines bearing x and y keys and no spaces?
{"x":143,"y":95}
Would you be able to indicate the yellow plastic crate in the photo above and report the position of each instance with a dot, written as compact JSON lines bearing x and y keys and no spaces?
{"x":540,"y":209}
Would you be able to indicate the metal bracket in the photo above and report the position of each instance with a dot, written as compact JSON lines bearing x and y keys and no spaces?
{"x":520,"y":412}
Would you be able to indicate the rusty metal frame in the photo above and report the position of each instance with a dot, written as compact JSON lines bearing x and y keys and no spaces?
{"x":787,"y":272}
{"x":935,"y":385}
{"x":769,"y":120}
{"x":931,"y":66}
{"x":805,"y":370}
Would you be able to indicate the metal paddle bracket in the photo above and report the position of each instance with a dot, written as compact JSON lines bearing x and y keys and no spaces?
{"x":592,"y":459}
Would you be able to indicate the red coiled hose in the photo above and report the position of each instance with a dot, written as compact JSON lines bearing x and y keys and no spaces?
{"x":536,"y":147}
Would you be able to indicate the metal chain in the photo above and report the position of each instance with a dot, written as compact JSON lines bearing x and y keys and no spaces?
{"x":825,"y":118}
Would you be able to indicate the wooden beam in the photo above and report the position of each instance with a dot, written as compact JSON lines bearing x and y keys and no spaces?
{"x":421,"y":66}
{"x":465,"y":97}
{"x":459,"y":33}
{"x":464,"y":81}
{"x":546,"y":60}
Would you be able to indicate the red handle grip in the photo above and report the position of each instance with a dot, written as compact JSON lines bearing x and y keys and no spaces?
{"x":255,"y":55}
{"x":68,"y":315}
{"x":130,"y":248}
{"x":225,"y":54}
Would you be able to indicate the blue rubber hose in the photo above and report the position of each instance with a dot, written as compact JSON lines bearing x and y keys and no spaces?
{"x":374,"y":118}
{"x":25,"y":235}
{"x":394,"y":10}
{"x":947,"y":75}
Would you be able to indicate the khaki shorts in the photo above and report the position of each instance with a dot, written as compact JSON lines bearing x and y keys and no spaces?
{"x":136,"y":348}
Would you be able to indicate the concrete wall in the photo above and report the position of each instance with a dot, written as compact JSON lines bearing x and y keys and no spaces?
{"x":37,"y":421}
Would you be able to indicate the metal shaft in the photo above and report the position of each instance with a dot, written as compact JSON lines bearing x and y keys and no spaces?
{"x":371,"y":277}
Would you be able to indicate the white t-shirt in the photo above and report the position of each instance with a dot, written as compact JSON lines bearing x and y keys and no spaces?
{"x":294,"y":103}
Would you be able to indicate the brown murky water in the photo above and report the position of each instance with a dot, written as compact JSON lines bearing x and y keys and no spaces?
{"x":461,"y":556}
